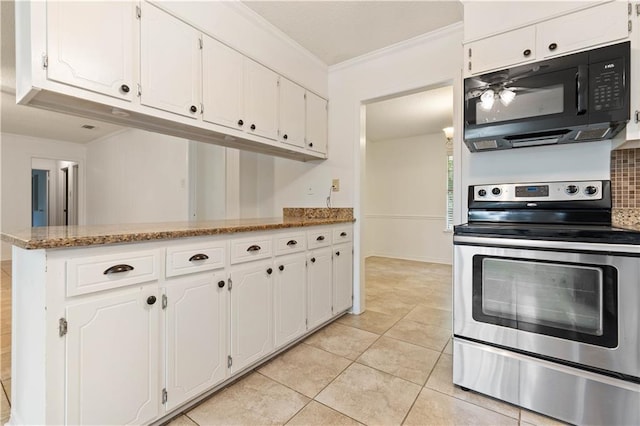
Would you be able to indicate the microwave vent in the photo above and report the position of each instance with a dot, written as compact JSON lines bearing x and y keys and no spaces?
{"x":486,"y":144}
{"x":589,"y":134}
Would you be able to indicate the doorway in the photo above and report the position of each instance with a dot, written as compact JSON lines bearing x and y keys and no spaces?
{"x":54,"y":192}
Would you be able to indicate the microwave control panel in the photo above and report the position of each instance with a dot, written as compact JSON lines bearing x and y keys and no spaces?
{"x":607,"y":81}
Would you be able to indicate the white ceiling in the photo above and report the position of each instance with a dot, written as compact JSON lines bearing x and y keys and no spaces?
{"x":334,"y":31}
{"x":417,"y":114}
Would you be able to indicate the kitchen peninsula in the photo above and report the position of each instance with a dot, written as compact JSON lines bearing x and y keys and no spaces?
{"x":152,"y":318}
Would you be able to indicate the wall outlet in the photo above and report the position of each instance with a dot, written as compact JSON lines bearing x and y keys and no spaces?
{"x":335,"y":185}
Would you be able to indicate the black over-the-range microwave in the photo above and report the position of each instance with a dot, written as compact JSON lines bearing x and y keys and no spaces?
{"x":581,"y":97}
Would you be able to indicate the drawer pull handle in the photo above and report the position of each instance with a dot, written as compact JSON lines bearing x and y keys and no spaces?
{"x":116,"y":269}
{"x":199,"y":256}
{"x":343,"y":234}
{"x":254,"y":248}
{"x":292,"y":243}
{"x":320,"y":238}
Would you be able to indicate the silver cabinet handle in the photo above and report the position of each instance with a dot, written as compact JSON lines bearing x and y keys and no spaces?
{"x":116,"y":269}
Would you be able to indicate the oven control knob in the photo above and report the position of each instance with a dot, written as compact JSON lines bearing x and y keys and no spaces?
{"x":571,"y":189}
{"x":496,"y":191}
{"x":590,"y":190}
{"x":482,"y":192}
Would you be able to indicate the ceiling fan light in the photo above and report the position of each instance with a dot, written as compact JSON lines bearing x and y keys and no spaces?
{"x":487,"y":99}
{"x":507,"y":96}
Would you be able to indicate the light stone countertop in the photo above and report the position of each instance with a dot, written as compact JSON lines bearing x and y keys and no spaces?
{"x":49,"y":237}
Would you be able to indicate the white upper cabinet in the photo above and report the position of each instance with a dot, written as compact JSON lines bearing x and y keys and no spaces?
{"x":170,"y":68}
{"x":222,"y":84}
{"x":316,"y":123}
{"x":292,"y":113}
{"x":633,"y":127}
{"x":576,"y":31}
{"x":501,"y":50}
{"x":573,"y":32}
{"x":260,"y":99}
{"x":91,"y":45}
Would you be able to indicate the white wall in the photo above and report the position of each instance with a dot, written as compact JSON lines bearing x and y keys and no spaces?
{"x":207,"y":175}
{"x":137,"y":177}
{"x":17,"y":154}
{"x":405,"y":202}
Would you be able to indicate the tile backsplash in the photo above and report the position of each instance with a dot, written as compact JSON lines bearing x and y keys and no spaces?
{"x":625,"y":178}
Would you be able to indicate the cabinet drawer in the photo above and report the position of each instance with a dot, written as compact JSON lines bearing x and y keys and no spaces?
{"x":290,"y":243}
{"x":96,"y":273}
{"x":342,"y":234}
{"x":317,"y":239}
{"x":250,"y":249}
{"x":195,"y":258}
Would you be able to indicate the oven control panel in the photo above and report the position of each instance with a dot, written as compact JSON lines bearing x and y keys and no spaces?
{"x":545,"y":191}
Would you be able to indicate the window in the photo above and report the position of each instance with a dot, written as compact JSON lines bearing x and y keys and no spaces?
{"x":449,"y":215}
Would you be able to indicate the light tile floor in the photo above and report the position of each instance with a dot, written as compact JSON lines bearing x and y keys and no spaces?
{"x":391,"y":365}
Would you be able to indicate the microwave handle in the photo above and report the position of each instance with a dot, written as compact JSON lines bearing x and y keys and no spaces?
{"x":581,"y":89}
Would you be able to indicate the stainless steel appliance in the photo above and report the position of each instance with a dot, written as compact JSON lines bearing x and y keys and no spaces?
{"x":575,"y":98}
{"x":546,"y":301}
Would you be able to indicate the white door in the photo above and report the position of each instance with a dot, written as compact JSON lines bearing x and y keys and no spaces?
{"x":251,"y":313}
{"x":222,"y":81}
{"x":112,"y":366}
{"x":292,"y":113}
{"x":290,"y":298}
{"x":260,"y":100}
{"x":319,"y":287}
{"x":316,"y":123}
{"x":342,"y":277}
{"x":91,"y":45}
{"x":196,"y":324}
{"x":170,"y":61}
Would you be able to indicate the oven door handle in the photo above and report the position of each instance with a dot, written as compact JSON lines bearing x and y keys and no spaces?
{"x":582,"y":88}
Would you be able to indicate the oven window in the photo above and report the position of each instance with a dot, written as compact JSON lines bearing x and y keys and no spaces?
{"x":573,"y":301}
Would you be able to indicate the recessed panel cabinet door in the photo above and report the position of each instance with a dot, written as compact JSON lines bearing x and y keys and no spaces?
{"x":342,"y":277}
{"x":222,"y":85}
{"x":91,"y":45}
{"x":260,"y":99}
{"x":290,"y":298}
{"x":196,"y":338}
{"x":251,"y":313}
{"x":319,"y":287}
{"x":292,"y":113}
{"x":501,"y":51}
{"x":170,"y":61}
{"x":112,"y":359}
{"x":316,"y":123}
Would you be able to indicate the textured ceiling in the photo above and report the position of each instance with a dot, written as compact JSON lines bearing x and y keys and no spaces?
{"x":336,"y":31}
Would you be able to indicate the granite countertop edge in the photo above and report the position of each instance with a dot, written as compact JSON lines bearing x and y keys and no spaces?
{"x":83,"y":236}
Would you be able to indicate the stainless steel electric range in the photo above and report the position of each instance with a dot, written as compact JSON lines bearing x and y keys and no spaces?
{"x":547,"y":301}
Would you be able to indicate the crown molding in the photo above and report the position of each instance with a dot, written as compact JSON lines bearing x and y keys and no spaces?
{"x":398,"y":47}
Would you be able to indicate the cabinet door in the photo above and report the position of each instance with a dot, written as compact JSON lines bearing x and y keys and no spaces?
{"x":260,"y":100}
{"x":319,"y":287}
{"x":170,"y":63}
{"x":583,"y":29}
{"x":633,"y":127}
{"x":112,"y":359}
{"x":342,"y":277}
{"x":222,"y":84}
{"x":316,"y":123}
{"x":90,"y":45}
{"x":290,"y":298}
{"x":501,"y":51}
{"x":251,"y":313}
{"x":292,"y":113}
{"x":196,"y":337}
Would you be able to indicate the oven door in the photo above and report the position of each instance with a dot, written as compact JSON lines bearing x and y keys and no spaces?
{"x":574,"y":302}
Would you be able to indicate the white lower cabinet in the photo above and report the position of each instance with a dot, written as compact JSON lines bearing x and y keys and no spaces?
{"x":196,"y":335}
{"x":290,"y":298}
{"x":251,"y":313}
{"x":112,"y":358}
{"x":342,"y":277}
{"x":319,"y":287}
